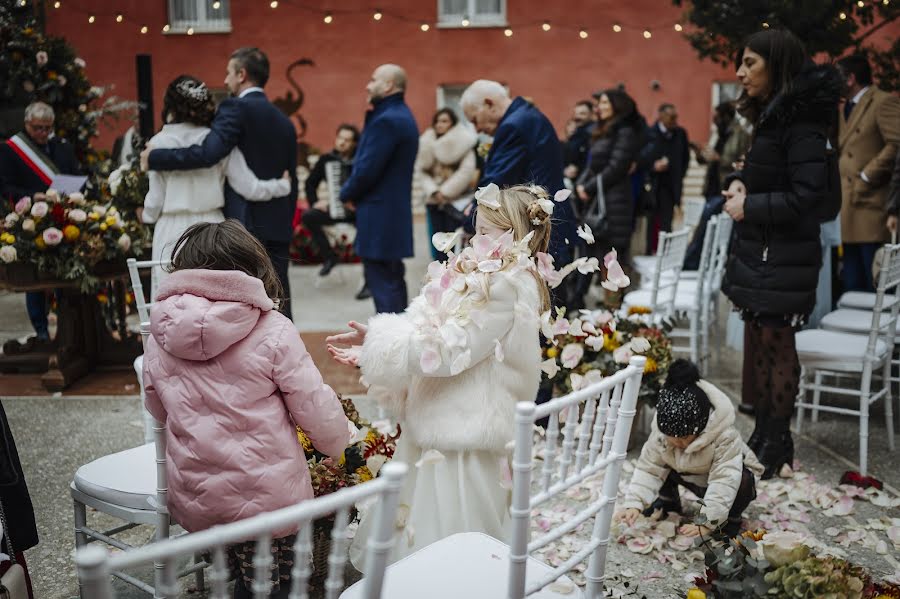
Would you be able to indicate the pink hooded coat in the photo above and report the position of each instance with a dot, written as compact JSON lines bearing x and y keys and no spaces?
{"x":230,"y":377}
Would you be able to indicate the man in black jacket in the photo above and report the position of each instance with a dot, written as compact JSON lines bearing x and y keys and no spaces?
{"x":28,"y":162}
{"x":576,"y":148}
{"x":318,"y":215}
{"x":666,"y":157}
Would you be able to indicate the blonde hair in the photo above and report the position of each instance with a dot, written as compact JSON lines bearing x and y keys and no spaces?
{"x":520,"y":212}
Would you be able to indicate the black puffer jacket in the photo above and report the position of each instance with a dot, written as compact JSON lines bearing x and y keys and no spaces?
{"x":611,"y":156}
{"x":773,"y":268}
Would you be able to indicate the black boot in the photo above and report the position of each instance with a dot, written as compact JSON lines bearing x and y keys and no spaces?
{"x":668,"y":506}
{"x":327,"y":265}
{"x":776,"y":451}
{"x":758,"y":436}
{"x":746,"y":408}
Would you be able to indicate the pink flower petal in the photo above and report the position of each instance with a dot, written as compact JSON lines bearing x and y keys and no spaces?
{"x":562,"y":195}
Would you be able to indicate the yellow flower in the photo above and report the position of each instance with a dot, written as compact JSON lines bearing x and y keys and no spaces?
{"x":552,"y":352}
{"x":103,"y":226}
{"x":71,"y":232}
{"x":304,"y":440}
{"x":94,"y":216}
{"x":610,"y":342}
{"x":364,"y":474}
{"x":640,"y":310}
{"x":102,"y":298}
{"x":695,"y":594}
{"x":39,"y":243}
{"x":111,"y":221}
{"x":343,"y":459}
{"x":650,"y":365}
{"x":7,"y":238}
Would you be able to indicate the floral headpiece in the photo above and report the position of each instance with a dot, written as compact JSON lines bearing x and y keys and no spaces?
{"x":193,"y":90}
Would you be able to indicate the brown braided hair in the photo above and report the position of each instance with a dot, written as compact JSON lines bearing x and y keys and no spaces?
{"x":188,"y":100}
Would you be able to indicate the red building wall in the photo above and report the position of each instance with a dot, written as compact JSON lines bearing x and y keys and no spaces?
{"x":555,"y":68}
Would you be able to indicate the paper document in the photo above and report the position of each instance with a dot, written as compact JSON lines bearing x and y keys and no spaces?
{"x":68,"y":183}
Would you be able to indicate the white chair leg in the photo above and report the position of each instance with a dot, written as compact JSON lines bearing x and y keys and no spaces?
{"x":695,"y":337}
{"x":888,"y":406}
{"x":801,"y":397}
{"x":198,"y":575}
{"x":80,"y":537}
{"x":817,"y":396}
{"x":864,"y":430}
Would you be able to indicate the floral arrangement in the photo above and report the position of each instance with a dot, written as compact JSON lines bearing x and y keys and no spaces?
{"x":781,"y":564}
{"x":361,"y":461}
{"x":304,"y":251}
{"x":128,"y":186}
{"x":34,"y":66}
{"x":66,"y":237}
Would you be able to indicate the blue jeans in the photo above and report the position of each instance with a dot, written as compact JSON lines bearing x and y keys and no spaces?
{"x":387,"y":284}
{"x":36,"y":304}
{"x":856,"y":274}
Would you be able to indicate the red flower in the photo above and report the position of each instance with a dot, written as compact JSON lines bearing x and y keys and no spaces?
{"x":58,"y":214}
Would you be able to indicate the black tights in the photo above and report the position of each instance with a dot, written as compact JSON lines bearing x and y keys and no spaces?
{"x":746,"y":491}
{"x":771,"y":375}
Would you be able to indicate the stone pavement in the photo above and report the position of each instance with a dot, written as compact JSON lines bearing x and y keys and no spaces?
{"x":56,"y":435}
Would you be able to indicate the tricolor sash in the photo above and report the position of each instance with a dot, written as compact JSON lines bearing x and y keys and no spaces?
{"x":33,"y":157}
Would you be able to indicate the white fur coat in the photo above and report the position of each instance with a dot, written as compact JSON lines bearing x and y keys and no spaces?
{"x":446,"y":163}
{"x":452,"y":373}
{"x":714,"y":460}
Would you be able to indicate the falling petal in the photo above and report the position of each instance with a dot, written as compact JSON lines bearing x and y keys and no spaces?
{"x":611,"y":256}
{"x":546,"y":206}
{"x":572,"y":355}
{"x":445,"y":242}
{"x":488,"y":196}
{"x":576,"y":381}
{"x":843,"y":507}
{"x":562,"y":195}
{"x":550,"y":367}
{"x":584,"y":231}
{"x":639,"y":545}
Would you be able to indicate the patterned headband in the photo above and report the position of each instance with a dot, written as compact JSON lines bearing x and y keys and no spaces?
{"x":193,"y":90}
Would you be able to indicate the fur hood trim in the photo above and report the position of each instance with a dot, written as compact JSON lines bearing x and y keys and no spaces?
{"x":452,"y":146}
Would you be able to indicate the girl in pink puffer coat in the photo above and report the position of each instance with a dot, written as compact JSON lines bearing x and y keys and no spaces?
{"x":230,"y":377}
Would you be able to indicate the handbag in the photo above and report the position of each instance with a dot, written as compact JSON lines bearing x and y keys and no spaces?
{"x":13,"y":584}
{"x":595,"y":214}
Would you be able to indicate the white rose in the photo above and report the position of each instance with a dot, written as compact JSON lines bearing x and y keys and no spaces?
{"x":115,"y":179}
{"x":28,"y":225}
{"x":40,"y":209}
{"x":77,"y":198}
{"x":11,"y":219}
{"x":101,"y":210}
{"x":124,"y":242}
{"x":77,"y":215}
{"x":52,"y":195}
{"x":8,"y":254}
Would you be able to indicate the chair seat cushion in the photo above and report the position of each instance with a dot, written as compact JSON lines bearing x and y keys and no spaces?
{"x":835,"y":350}
{"x":462,"y":566}
{"x":863,"y":300}
{"x":684,"y":300}
{"x":126,"y":478}
{"x":852,"y":321}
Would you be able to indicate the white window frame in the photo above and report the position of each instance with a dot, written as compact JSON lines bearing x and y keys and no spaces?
{"x":201,"y":24}
{"x":454,"y":21}
{"x":718,"y":86}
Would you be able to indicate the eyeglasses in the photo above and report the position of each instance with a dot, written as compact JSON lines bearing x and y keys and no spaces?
{"x":41,"y":128}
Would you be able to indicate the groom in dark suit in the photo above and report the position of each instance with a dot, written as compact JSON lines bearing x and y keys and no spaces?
{"x":267,"y":139}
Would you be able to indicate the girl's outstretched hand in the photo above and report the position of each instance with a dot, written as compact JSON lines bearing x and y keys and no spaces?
{"x":349,"y":356}
{"x":356,"y":336}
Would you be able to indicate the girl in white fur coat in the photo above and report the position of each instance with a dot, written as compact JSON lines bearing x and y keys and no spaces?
{"x":452,"y":367}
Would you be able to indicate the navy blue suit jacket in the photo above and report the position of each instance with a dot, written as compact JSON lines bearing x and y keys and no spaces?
{"x":381,"y":182}
{"x":526,"y":150}
{"x":268,"y":141}
{"x":17,"y":179}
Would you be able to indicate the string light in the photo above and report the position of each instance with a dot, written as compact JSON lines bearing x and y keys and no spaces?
{"x":583,"y":34}
{"x":765,"y":25}
{"x":508,"y":33}
{"x":119,"y":18}
{"x":328,"y":19}
{"x":144,"y":29}
{"x":274,"y":3}
{"x":424,"y":27}
{"x":57,"y":4}
{"x":843,"y":16}
{"x":190,"y":31}
{"x":216,"y":5}
{"x":166,"y":28}
{"x":861,"y":4}
{"x":678,"y":27}
{"x":546,"y":26}
{"x":377,"y":16}
{"x":617,"y":28}
{"x":91,"y":19}
{"x":465,"y":22}
{"x":647,"y":34}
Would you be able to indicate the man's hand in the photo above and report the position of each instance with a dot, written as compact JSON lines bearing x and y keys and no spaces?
{"x":892,"y":224}
{"x":629,"y":515}
{"x":661,"y":165}
{"x":349,"y":205}
{"x":694,"y":530}
{"x":321,"y":206}
{"x":734,"y":204}
{"x":145,"y":159}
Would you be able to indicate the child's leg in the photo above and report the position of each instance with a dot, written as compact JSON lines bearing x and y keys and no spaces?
{"x":669,"y":499}
{"x":746,"y":493}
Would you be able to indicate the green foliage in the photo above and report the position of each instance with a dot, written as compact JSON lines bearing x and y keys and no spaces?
{"x":721,"y":26}
{"x":734,"y":569}
{"x":818,"y":578}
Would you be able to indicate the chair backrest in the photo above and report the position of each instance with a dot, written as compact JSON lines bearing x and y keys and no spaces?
{"x":671,"y":249}
{"x":134,"y":268}
{"x":722,"y":246}
{"x":95,"y":564}
{"x":707,"y":263}
{"x":884,"y":321}
{"x":693,"y":211}
{"x":594,"y":439}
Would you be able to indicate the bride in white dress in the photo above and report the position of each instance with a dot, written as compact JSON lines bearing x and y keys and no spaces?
{"x":178,"y":199}
{"x":452,"y":367}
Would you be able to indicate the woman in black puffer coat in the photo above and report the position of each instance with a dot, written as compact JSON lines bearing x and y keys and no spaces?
{"x":775,"y":257}
{"x":614,"y":147}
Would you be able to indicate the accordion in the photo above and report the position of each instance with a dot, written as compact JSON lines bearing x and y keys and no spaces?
{"x":333,"y":179}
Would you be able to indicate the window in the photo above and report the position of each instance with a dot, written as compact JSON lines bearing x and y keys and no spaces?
{"x":725,"y":91}
{"x":448,"y":96}
{"x":201,"y":16}
{"x":477,"y":13}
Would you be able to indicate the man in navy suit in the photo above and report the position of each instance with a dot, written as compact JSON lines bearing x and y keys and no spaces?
{"x":525,"y":150}
{"x":380,"y":188}
{"x":268,"y":141}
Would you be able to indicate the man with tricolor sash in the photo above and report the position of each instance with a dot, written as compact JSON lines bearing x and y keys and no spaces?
{"x":28,"y":162}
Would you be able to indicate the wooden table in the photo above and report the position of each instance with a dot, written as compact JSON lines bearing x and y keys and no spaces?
{"x":83,"y":342}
